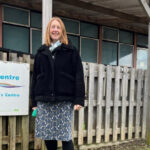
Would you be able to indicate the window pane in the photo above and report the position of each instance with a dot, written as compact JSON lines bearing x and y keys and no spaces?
{"x":109,"y":53}
{"x":125,"y":57}
{"x":74,"y":40}
{"x":36,"y":20}
{"x":16,"y":38}
{"x":36,"y":40}
{"x":142,"y":40}
{"x":142,"y":55}
{"x":89,"y":30}
{"x":126,"y":37}
{"x":16,"y":15}
{"x":110,"y":34}
{"x":71,"y":26}
{"x":89,"y":50}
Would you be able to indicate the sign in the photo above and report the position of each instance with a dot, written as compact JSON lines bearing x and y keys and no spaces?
{"x":14,"y":88}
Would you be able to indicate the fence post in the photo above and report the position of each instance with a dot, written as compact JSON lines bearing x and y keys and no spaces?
{"x":12,"y":119}
{"x":25,"y":119}
{"x":3,"y":56}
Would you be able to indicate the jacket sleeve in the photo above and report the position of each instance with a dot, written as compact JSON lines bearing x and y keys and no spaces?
{"x":79,"y":80}
{"x":33,"y":82}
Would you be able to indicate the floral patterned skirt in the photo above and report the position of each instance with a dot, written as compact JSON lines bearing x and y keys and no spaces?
{"x":54,"y":120}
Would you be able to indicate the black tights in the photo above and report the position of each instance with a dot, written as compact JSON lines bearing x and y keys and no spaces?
{"x":52,"y":145}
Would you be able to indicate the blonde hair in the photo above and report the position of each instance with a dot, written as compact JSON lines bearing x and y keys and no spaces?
{"x":63,"y":38}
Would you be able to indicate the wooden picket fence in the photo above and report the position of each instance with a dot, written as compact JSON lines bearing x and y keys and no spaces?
{"x":115,"y":110}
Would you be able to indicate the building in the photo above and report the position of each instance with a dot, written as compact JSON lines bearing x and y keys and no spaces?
{"x":107,"y":32}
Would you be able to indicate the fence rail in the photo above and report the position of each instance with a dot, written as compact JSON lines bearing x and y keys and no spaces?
{"x":115,"y":109}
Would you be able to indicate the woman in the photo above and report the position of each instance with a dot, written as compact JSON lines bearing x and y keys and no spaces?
{"x":57,"y":86}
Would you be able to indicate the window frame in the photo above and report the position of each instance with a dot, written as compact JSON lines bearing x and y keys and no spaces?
{"x":70,"y":33}
{"x":9,"y":22}
{"x":80,"y":36}
{"x":21,"y":25}
{"x":90,"y":24}
{"x":83,"y":37}
{"x":144,"y":49}
{"x":31,"y":29}
{"x":117,"y":50}
{"x":31,"y":17}
{"x":119,"y":54}
{"x":118,"y":43}
{"x":112,"y":29}
{"x":28,"y":39}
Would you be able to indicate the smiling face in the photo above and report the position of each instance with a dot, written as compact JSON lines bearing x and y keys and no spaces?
{"x":55,"y":31}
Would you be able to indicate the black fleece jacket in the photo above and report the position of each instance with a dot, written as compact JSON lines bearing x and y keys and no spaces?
{"x":58,"y":76}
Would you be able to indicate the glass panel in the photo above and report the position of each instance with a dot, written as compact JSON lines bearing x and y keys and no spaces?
{"x":125,"y":57}
{"x":36,"y":40}
{"x":36,"y":20}
{"x":142,"y":40}
{"x":109,"y":53}
{"x":74,"y":40}
{"x":16,"y":15}
{"x":89,"y":50}
{"x":16,"y":38}
{"x":110,"y":34}
{"x":142,"y":56}
{"x":71,"y":26}
{"x":89,"y":30}
{"x":125,"y":37}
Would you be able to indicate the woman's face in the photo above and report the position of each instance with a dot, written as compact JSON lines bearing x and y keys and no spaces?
{"x":55,"y":31}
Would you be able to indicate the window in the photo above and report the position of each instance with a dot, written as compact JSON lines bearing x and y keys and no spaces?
{"x":16,"y":38}
{"x":74,"y":40}
{"x":142,"y":51}
{"x":21,"y":29}
{"x":125,"y":55}
{"x":117,"y":47}
{"x":109,"y":53}
{"x":89,"y":50}
{"x":89,"y":30}
{"x":142,"y":58}
{"x":84,"y":36}
{"x":71,"y":26}
{"x":110,"y":34}
{"x":36,"y":40}
{"x":142,"y":40}
{"x":15,"y":15}
{"x":36,"y":20}
{"x":125,"y":37}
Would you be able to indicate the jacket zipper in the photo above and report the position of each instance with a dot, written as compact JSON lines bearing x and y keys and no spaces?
{"x":51,"y":59}
{"x":53,"y":74}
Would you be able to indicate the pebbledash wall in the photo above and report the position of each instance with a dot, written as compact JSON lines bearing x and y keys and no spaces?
{"x":21,"y":32}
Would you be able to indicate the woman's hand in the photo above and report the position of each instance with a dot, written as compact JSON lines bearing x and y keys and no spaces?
{"x":77,"y":107}
{"x":34,"y":108}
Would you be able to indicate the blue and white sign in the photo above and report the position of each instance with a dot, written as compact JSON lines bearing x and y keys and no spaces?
{"x":14,"y":88}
